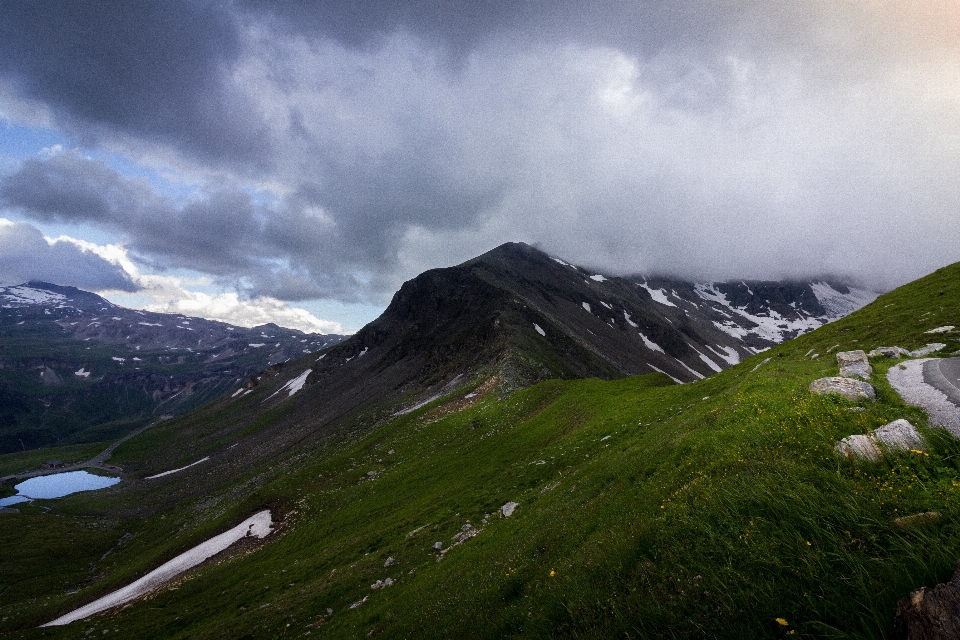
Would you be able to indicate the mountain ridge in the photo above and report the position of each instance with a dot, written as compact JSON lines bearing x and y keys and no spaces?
{"x":104,"y":369}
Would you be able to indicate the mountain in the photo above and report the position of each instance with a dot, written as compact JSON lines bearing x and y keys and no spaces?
{"x":450,"y":469}
{"x":77,"y":368}
{"x":523,"y":316}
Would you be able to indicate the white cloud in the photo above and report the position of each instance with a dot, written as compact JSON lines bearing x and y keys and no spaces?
{"x":173,"y":294}
{"x":228,"y":307}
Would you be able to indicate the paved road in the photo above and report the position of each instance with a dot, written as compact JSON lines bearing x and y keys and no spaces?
{"x":944,"y":374}
{"x":96,"y":462}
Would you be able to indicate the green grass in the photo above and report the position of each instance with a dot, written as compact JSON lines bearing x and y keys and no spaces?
{"x":33,"y":458}
{"x":711,"y":510}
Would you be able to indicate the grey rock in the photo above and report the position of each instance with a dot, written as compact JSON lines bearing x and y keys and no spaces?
{"x":854,"y":364}
{"x":945,"y":329}
{"x":380,"y":584}
{"x":847,"y":387}
{"x":508,"y":509}
{"x":859,"y":446}
{"x":932,"y":347}
{"x":898,"y":435}
{"x":389,"y":561}
{"x":437,"y":545}
{"x":889,"y":352}
{"x":930,"y":614}
{"x":50,"y":377}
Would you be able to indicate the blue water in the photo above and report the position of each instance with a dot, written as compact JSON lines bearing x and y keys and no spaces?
{"x":57,"y":485}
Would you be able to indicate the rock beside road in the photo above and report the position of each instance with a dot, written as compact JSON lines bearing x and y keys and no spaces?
{"x":889,"y":352}
{"x":932,"y":347}
{"x":898,"y":435}
{"x":854,"y":364}
{"x":849,"y":388}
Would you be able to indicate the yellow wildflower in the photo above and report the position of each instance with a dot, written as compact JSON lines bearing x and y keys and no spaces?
{"x":781,"y":622}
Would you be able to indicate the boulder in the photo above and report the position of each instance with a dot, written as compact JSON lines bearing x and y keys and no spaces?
{"x":889,"y":352}
{"x":859,"y":447}
{"x":898,"y":435}
{"x":847,"y":387}
{"x":854,"y":364}
{"x":932,"y":347}
{"x":930,"y":614}
{"x":508,"y":509}
{"x":49,"y":377}
{"x":917,"y":519}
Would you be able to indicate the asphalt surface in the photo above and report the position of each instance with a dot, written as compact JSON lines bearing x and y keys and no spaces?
{"x":944,"y":374}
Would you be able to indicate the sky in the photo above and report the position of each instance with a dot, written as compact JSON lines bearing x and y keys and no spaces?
{"x":295,"y":161}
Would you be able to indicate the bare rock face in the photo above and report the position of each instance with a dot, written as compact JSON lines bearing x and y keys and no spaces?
{"x":847,"y":387}
{"x":930,"y":614}
{"x":854,"y":364}
{"x":898,"y":435}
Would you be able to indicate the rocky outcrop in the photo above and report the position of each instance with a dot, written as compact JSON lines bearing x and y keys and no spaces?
{"x":930,"y":614}
{"x":854,"y":364}
{"x":849,"y":388}
{"x":889,"y":352}
{"x":896,"y":436}
{"x":932,"y":347}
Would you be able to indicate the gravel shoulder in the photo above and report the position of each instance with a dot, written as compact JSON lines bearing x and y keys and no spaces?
{"x":908,"y":380}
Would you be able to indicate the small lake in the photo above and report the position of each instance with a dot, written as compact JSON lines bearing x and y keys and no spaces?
{"x":57,"y":485}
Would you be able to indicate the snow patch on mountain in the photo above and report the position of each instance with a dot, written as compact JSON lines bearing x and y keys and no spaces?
{"x":294,"y":385}
{"x":840,"y":304}
{"x":699,"y":375}
{"x":772,"y":327}
{"x":649,"y":344}
{"x":664,"y":373}
{"x":710,"y":363}
{"x":23,"y":294}
{"x":658,"y":295}
{"x":729,"y":354}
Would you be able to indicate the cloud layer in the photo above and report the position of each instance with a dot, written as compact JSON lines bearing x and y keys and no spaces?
{"x":25,"y":255}
{"x":334,"y":151}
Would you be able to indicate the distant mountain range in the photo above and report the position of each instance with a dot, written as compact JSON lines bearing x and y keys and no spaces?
{"x":77,"y":368}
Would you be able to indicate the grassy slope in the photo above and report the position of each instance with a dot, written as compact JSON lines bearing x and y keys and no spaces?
{"x":712,"y":509}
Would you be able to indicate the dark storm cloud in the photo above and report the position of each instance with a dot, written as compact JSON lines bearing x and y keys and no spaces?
{"x":152,"y":69}
{"x":461,"y":26}
{"x":704,"y":139}
{"x":25,"y":255}
{"x":219,"y":232}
